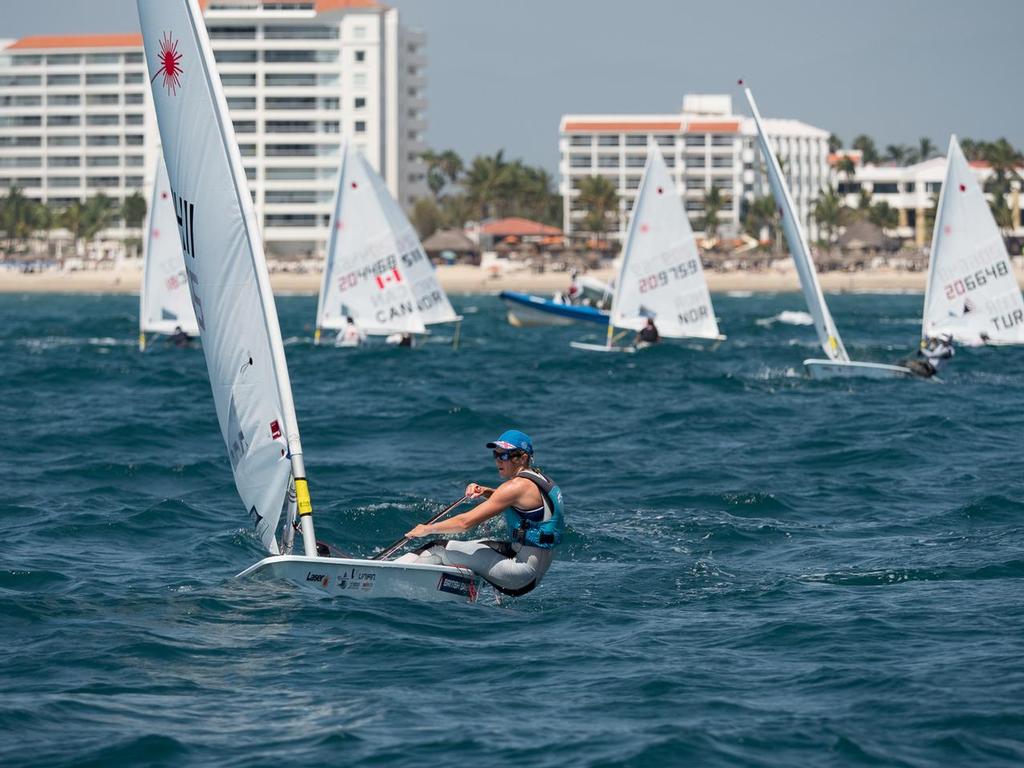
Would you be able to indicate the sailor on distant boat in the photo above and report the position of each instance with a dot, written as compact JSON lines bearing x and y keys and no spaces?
{"x":649,"y":333}
{"x":179,"y":338}
{"x":575,"y":293}
{"x":532,"y":505}
{"x":351,"y":335}
{"x":932,"y":355}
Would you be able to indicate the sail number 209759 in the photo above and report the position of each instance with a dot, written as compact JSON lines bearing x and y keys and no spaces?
{"x":664,"y":277}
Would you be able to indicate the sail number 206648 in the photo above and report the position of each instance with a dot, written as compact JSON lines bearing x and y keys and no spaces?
{"x":664,"y":277}
{"x":975,"y":280}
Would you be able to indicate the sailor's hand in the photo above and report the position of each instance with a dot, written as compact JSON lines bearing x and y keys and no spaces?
{"x":474,"y":491}
{"x":419,"y":532}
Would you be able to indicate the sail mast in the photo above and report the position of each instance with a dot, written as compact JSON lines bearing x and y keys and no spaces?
{"x":828,"y":334}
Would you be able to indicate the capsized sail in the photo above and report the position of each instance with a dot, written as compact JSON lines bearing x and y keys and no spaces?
{"x":828,"y":335}
{"x":376,"y":270}
{"x":164,"y":301}
{"x":972,"y":292}
{"x":227,"y":274}
{"x":661,"y":276}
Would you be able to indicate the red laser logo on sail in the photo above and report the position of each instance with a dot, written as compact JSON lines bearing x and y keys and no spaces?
{"x":168,"y":59}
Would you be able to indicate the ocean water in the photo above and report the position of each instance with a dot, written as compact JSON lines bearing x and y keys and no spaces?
{"x":760,"y":569}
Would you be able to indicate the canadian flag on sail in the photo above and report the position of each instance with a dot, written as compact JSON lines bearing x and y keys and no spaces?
{"x":394,"y":276}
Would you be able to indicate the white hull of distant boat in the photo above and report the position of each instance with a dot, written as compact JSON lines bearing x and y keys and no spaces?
{"x":849,"y":369}
{"x":601,"y":347}
{"x":370,"y":578}
{"x":522,"y":316}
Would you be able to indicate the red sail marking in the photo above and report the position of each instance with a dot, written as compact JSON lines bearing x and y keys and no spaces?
{"x":168,"y":60}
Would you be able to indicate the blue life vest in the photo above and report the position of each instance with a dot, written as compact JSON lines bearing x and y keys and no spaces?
{"x":541,"y":527}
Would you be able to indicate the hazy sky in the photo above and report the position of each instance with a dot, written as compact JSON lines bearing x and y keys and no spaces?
{"x":502,"y":72}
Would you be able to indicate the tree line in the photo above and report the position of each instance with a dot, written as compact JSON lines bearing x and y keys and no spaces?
{"x":22,"y":218}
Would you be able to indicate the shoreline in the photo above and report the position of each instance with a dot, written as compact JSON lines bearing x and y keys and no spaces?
{"x":458,"y":280}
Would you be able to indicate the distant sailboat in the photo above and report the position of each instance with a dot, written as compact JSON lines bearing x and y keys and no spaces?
{"x":838,"y":363}
{"x":376,"y":270}
{"x":972,"y":293}
{"x":164,"y":301}
{"x":227,"y":274}
{"x":661,"y":276}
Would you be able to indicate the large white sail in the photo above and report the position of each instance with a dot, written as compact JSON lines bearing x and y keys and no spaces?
{"x":376,"y":270}
{"x":661,"y":276}
{"x":972,"y":292}
{"x":164,"y":300}
{"x":223,"y":255}
{"x":831,"y":343}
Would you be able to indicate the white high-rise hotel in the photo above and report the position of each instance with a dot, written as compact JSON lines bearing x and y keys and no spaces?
{"x":76,"y":115}
{"x":705,"y":146}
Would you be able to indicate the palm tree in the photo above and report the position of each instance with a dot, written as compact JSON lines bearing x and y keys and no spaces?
{"x":896,"y":153}
{"x":925,"y":149}
{"x":16,"y":216}
{"x":761,"y":214}
{"x":483,"y":182}
{"x":883,"y":215}
{"x":451,"y":165}
{"x":100,"y":212}
{"x":72,"y":219}
{"x":1004,"y":159}
{"x":599,"y":196}
{"x":426,"y":216}
{"x":713,"y":202}
{"x":834,"y":143}
{"x":866,"y":145}
{"x":828,"y":212}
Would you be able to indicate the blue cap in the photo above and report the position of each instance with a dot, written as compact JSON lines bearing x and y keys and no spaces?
{"x":513,"y":440}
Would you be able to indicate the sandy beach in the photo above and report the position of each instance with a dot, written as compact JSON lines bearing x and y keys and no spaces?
{"x":468,"y":279}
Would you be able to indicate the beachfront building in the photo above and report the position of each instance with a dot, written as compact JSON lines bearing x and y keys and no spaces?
{"x":76,"y":114}
{"x":705,"y":146}
{"x":912,"y":191}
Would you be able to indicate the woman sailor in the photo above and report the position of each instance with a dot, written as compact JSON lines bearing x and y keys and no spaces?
{"x":532,"y":505}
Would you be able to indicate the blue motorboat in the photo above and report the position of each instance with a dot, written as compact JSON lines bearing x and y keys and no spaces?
{"x":525,"y":309}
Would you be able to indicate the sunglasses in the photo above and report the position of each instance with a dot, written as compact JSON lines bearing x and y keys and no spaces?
{"x":506,"y":455}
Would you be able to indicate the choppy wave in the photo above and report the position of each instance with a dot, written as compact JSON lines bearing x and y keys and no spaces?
{"x":758,"y":569}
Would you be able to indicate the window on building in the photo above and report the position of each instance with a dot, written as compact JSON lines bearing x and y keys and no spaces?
{"x":607,"y":161}
{"x":290,"y":150}
{"x":27,"y":60}
{"x":360,"y":56}
{"x":231,"y":33}
{"x":241,"y":103}
{"x":721,"y":140}
{"x":133,"y":120}
{"x":290,"y":174}
{"x":235,"y":57}
{"x":331,"y":126}
{"x":331,"y":104}
{"x":296,"y":32}
{"x":133,"y":140}
{"x":289,"y":102}
{"x":697,"y":206}
{"x":632,"y":182}
{"x":20,"y":162}
{"x":580,"y":141}
{"x":697,"y":161}
{"x":133,"y":181}
{"x":63,"y":100}
{"x":290,"y":126}
{"x":696,"y":140}
{"x":721,"y":162}
{"x":20,"y":141}
{"x":665,"y":140}
{"x":102,"y":58}
{"x":670,"y":160}
{"x":103,"y":181}
{"x":133,"y":161}
{"x":291,"y":57}
{"x":636,"y":161}
{"x":133,"y":98}
{"x":63,"y":59}
{"x":64,"y":181}
{"x":102,"y":119}
{"x":360,"y":126}
{"x":133,"y":58}
{"x":608,"y":140}
{"x":579,"y":161}
{"x":63,"y":141}
{"x":102,"y":99}
{"x":62,"y":121}
{"x":909,"y":186}
{"x":244,"y":126}
{"x":102,"y":141}
{"x":101,"y":78}
{"x":99,"y":161}
{"x":290,"y":81}
{"x":60,"y":80}
{"x":238,"y":81}
{"x":21,"y":101}
{"x":247,"y":150}
{"x":360,"y":102}
{"x":289,"y":220}
{"x":635,"y":140}
{"x":885,"y":188}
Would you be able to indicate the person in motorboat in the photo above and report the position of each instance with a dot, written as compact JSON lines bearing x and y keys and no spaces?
{"x":351,"y":335}
{"x":575,"y":293}
{"x":532,"y":505}
{"x":648,"y":334}
{"x":180,"y":339}
{"x":932,"y":355}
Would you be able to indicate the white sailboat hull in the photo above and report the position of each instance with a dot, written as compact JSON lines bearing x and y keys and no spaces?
{"x":352,"y":577}
{"x":835,"y":369}
{"x":599,"y":347}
